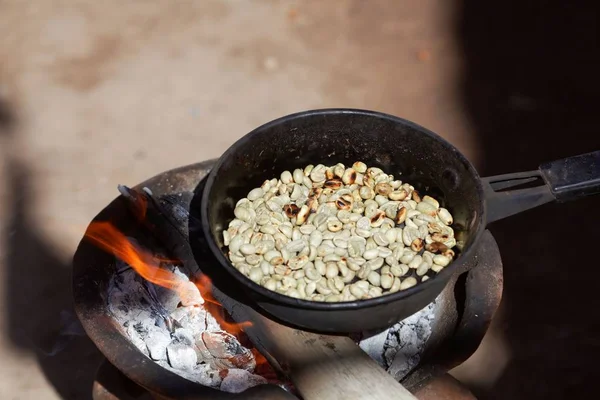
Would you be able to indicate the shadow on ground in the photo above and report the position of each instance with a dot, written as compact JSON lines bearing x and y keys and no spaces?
{"x":40,"y":316}
{"x":7,"y":118}
{"x":532,"y":89}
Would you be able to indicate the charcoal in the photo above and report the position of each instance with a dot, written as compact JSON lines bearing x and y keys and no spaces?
{"x":223,"y":351}
{"x":193,"y":318}
{"x":406,"y":340}
{"x":238,"y":380}
{"x":136,"y":339}
{"x":181,"y":357}
{"x":157,"y":342}
{"x":374,"y":346}
{"x":179,"y":314}
{"x":398,"y":349}
{"x":134,"y":303}
{"x":189,"y":293}
{"x":184,"y":336}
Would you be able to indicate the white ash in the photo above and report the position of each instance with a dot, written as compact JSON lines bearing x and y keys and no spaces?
{"x":238,"y":380}
{"x":181,"y":356}
{"x":192,"y":344}
{"x":399,"y":348}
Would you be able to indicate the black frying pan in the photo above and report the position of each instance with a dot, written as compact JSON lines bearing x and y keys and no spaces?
{"x":399,"y":147}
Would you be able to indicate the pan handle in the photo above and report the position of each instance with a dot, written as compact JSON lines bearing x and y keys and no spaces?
{"x":563,"y":180}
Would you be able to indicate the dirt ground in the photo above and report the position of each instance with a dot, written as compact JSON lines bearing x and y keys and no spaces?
{"x":93,"y":94}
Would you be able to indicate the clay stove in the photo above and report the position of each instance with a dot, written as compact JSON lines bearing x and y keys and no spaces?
{"x":414,"y":351}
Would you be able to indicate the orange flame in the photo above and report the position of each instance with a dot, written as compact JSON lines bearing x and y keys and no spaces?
{"x":110,"y":239}
{"x":262,"y":366}
{"x":106,"y":236}
{"x":204,"y":285}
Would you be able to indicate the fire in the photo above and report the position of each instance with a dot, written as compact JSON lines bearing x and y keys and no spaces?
{"x":106,"y":236}
{"x":204,"y":285}
{"x":263,"y":367}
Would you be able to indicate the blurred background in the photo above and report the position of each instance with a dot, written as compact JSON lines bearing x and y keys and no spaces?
{"x":93,"y":94}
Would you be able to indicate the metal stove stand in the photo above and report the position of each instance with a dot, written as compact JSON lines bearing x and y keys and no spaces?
{"x":464,"y":311}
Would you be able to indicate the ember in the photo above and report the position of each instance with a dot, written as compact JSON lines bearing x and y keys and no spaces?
{"x":187,"y":330}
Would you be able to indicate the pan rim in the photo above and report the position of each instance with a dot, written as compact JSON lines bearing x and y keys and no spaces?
{"x":275,"y":297}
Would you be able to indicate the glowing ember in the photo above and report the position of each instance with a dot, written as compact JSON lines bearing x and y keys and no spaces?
{"x":263,"y":368}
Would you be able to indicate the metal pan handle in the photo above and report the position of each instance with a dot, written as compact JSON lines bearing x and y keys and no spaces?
{"x":561,"y":180}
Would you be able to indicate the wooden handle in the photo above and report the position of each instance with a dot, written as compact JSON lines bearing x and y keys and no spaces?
{"x":329,"y":367}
